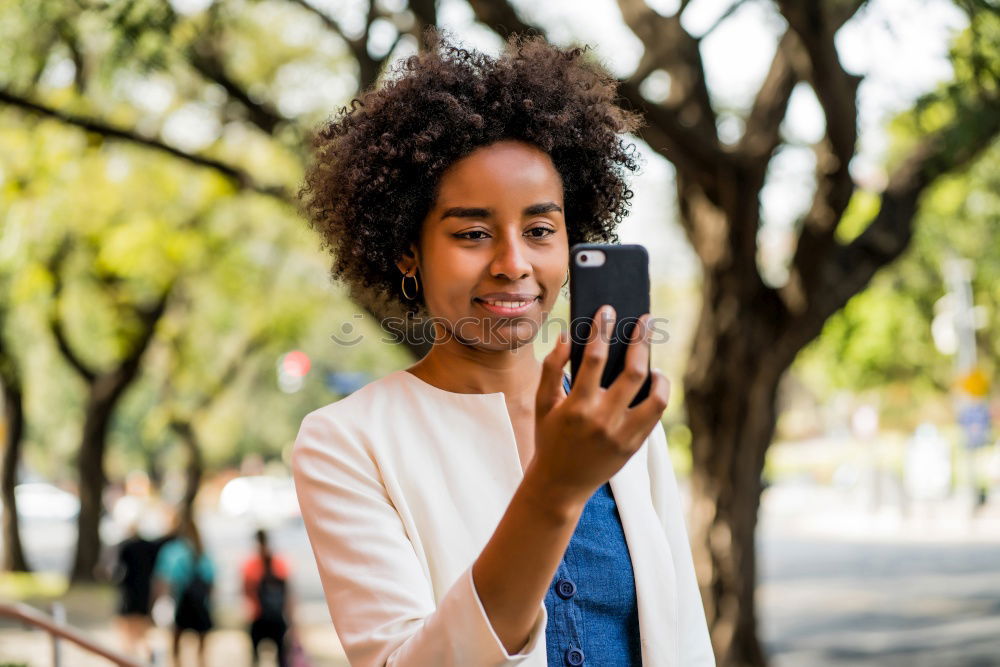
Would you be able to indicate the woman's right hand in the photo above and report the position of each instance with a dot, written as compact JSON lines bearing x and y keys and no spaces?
{"x":583,"y":439}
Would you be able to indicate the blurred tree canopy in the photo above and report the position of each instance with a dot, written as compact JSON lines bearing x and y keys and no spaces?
{"x":883,"y":335}
{"x":127,"y":240}
{"x":98,"y":223}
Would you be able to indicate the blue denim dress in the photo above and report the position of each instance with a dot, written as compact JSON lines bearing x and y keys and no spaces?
{"x":593,"y":617}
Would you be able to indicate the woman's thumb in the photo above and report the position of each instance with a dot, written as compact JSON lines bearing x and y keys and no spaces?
{"x":550,"y":386}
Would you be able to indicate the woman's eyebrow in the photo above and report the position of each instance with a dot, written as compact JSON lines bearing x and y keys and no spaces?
{"x":466,"y":212}
{"x":547,"y":207}
{"x":463,"y":212}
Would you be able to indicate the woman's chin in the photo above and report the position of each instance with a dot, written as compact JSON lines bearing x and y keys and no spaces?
{"x":499,"y":334}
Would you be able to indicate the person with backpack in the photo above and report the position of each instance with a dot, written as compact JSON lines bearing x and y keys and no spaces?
{"x":266,"y":588}
{"x":185,"y":572}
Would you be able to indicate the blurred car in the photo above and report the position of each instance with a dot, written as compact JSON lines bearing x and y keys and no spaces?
{"x":266,"y":499}
{"x":41,"y":501}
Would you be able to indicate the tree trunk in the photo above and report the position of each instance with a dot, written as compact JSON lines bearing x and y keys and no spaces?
{"x":153,"y":470}
{"x":730,"y":391}
{"x":104,"y":389}
{"x":13,"y":554}
{"x":194,"y":469}
{"x":102,"y":397}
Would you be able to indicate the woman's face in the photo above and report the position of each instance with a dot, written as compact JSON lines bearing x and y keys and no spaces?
{"x":494,"y":249}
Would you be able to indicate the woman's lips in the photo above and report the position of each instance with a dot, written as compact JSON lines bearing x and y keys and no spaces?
{"x":500,"y":310}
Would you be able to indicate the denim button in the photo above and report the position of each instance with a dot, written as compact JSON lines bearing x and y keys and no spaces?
{"x":565,"y":589}
{"x":574,"y":657}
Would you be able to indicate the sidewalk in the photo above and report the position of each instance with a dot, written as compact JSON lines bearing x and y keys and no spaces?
{"x":845,"y":581}
{"x":826,"y":512}
{"x":91,"y":610}
{"x":223,"y":647}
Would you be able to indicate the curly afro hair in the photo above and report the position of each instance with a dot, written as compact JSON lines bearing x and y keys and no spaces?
{"x":376,"y":166}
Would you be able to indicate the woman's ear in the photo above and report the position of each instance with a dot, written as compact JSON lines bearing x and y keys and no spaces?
{"x":409,"y":261}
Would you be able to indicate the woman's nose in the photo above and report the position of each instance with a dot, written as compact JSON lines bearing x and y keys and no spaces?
{"x":510,"y":260}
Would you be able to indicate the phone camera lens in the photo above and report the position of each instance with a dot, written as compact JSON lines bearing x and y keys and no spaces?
{"x":583,"y":257}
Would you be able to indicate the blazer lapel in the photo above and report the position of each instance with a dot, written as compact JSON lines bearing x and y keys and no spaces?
{"x":652,"y":564}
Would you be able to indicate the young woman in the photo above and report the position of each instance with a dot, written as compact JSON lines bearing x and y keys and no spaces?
{"x":473,"y":509}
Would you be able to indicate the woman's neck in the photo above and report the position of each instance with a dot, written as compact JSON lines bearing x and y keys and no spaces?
{"x":469,"y":371}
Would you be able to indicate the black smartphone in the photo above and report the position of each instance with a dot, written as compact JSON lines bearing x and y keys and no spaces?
{"x":602,"y":273}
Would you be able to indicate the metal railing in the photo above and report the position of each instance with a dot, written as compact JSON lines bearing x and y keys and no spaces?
{"x":57,"y":630}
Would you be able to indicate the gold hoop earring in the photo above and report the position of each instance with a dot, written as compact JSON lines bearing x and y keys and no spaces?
{"x":416,"y":287}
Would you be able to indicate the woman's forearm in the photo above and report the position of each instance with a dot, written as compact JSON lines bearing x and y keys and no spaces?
{"x":516,"y":567}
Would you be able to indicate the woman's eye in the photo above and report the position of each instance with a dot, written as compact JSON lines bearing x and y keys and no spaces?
{"x":546,"y":231}
{"x":466,"y":235}
{"x":535,"y":232}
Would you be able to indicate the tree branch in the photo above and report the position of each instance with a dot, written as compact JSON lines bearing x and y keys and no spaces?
{"x":228,"y":375}
{"x":665,"y":132}
{"x":239,"y":177}
{"x":668,"y":46}
{"x":845,"y":271}
{"x":816,"y":24}
{"x":762,"y":135}
{"x":501,"y":18}
{"x":149,"y":315}
{"x":206,"y":60}
{"x":792,"y":63}
{"x":671,"y":138}
{"x":368,"y":67}
{"x":426,"y":13}
{"x":328,"y":22}
{"x":56,"y":323}
{"x":722,"y":17}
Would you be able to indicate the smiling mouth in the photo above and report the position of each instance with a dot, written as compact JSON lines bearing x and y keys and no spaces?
{"x":507,"y":307}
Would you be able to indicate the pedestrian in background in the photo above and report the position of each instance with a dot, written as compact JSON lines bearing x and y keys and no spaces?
{"x":129,"y":566}
{"x":266,"y":589}
{"x":185,"y":572}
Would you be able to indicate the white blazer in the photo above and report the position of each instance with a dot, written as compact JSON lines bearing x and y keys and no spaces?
{"x":401,"y":484}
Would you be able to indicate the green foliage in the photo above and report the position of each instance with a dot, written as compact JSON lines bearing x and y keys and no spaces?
{"x":247,"y":269}
{"x":882,"y":338}
{"x":142,"y":30}
{"x":883,"y":335}
{"x":975,"y":58}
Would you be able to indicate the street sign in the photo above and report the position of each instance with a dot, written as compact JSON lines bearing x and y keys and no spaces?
{"x":975,"y":421}
{"x":975,"y":383}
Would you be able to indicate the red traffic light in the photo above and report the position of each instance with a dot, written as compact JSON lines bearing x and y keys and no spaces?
{"x":295,"y":363}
